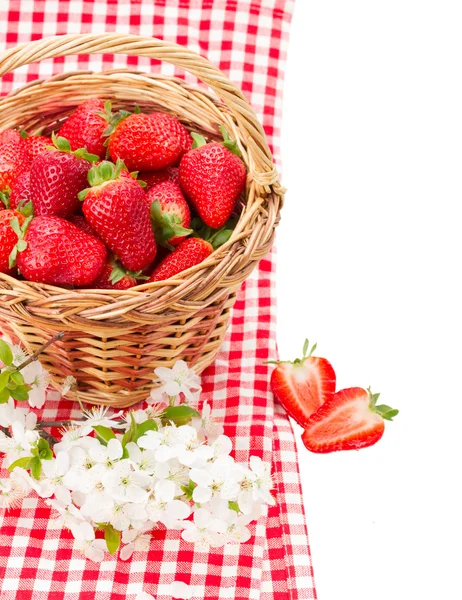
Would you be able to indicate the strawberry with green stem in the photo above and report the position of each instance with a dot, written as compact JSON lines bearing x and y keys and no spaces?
{"x":34,"y":144}
{"x":190,"y":252}
{"x":349,"y":420}
{"x":13,"y":225}
{"x":170,"y":214}
{"x":303,"y":385}
{"x":84,"y":128}
{"x":145,"y":142}
{"x":213,"y":176}
{"x":115,"y":206}
{"x":56,"y":178}
{"x":115,"y":277}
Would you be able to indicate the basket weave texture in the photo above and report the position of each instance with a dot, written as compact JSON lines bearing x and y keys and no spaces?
{"x":115,"y":339}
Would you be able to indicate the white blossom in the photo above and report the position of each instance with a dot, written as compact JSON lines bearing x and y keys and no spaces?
{"x":68,"y":384}
{"x":38,"y":378}
{"x":135,"y":540}
{"x":179,"y":589}
{"x":206,"y":426}
{"x":180,"y":379}
{"x":85,"y":541}
{"x":98,"y":415}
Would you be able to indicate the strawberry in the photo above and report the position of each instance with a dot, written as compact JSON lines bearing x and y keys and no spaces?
{"x":84,"y":127}
{"x":169,"y":212}
{"x":116,"y":208}
{"x":145,"y":142}
{"x":56,"y":178}
{"x":115,"y":277}
{"x":13,"y":158}
{"x":303,"y":385}
{"x":9,"y":238}
{"x":81,"y":222}
{"x":154,"y":177}
{"x":213,"y":177}
{"x":177,"y":129}
{"x":189,"y":253}
{"x":20,"y":190}
{"x":58,"y":252}
{"x":349,"y":420}
{"x":35,"y":144}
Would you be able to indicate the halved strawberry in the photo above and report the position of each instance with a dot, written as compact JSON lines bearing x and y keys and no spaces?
{"x":303,"y":385}
{"x":349,"y":420}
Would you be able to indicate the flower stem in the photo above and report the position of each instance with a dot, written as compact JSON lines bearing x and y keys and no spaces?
{"x":55,"y":338}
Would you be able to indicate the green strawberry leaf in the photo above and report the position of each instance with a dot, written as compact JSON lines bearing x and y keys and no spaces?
{"x":5,"y":197}
{"x":23,"y":133}
{"x":199,"y":140}
{"x":61,"y":143}
{"x":229,"y":143}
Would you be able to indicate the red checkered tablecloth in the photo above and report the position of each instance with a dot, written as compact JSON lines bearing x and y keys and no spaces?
{"x":248,"y":41}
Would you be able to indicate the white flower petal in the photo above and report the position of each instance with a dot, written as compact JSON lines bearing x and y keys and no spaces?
{"x":126,"y":552}
{"x":201,"y":477}
{"x":179,"y":589}
{"x":114,"y":449}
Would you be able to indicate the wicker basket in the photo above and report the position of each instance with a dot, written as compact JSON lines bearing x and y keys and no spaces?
{"x":115,"y":339}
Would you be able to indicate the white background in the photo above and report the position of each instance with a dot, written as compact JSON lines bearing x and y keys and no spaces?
{"x":369,"y":266}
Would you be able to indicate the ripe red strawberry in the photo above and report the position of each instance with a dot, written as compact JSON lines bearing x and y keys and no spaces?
{"x":169,"y":212}
{"x":13,"y":158}
{"x":213,"y":178}
{"x":56,"y":178}
{"x":154,"y":177}
{"x":20,"y":190}
{"x":177,"y":129}
{"x":116,"y":208}
{"x":35,"y":144}
{"x":81,"y":222}
{"x":60,"y":253}
{"x":305,"y":384}
{"x":349,"y":420}
{"x":8,"y":238}
{"x":189,"y":253}
{"x":115,"y":277}
{"x":145,"y":142}
{"x":84,"y":127}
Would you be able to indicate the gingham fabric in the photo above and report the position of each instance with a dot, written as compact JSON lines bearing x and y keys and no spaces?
{"x":248,"y":41}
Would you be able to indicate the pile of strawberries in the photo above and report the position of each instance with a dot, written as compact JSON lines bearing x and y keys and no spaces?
{"x":114,"y":200}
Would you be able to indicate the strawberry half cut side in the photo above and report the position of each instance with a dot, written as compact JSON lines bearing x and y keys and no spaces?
{"x":349,"y":420}
{"x":303,"y":385}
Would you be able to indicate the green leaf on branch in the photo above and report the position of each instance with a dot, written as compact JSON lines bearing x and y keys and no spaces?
{"x":4,"y":379}
{"x":35,"y":467}
{"x":234,"y":506}
{"x":112,"y":537}
{"x":6,"y":356}
{"x":44,"y":450}
{"x":142,"y":428}
{"x":188,"y":489}
{"x":23,"y":463}
{"x":20,"y":392}
{"x":104,"y":434}
{"x":179,"y":415}
{"x":4,"y":395}
{"x":17,"y":377}
{"x":131,"y":431}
